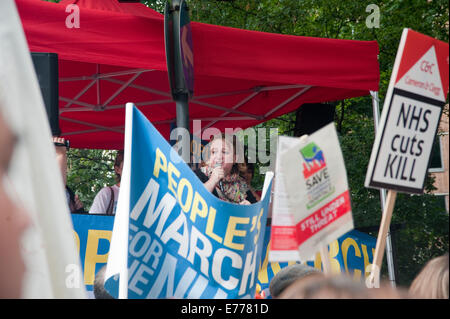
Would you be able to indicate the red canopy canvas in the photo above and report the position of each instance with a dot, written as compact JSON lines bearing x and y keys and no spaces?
{"x":242,"y":77}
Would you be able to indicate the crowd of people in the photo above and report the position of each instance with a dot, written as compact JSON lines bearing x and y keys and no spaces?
{"x":300,"y":281}
{"x":229,"y":181}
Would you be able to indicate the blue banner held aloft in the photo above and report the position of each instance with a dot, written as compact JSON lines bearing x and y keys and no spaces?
{"x":183,"y":242}
{"x":351,"y":253}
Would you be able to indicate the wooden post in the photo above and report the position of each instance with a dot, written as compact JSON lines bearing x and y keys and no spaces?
{"x":325,"y":260}
{"x":382,"y":233}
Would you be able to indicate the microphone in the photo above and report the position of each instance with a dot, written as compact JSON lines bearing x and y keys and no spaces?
{"x":219,"y":164}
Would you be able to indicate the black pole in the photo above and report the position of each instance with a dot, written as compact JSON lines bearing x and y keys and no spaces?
{"x":179,"y":58}
{"x":182,"y":107}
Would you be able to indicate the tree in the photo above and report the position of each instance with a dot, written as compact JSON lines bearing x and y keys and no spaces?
{"x":89,"y":171}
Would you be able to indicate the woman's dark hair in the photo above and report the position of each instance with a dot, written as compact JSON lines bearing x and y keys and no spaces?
{"x":117,"y":162}
{"x":251,"y":168}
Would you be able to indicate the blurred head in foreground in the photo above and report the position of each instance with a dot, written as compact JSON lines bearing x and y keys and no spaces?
{"x":290,"y":274}
{"x":340,"y":287}
{"x":432,"y":281}
{"x":325,"y":287}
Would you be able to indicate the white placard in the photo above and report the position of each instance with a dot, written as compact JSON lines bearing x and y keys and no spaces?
{"x":311,"y":198}
{"x":411,"y":114}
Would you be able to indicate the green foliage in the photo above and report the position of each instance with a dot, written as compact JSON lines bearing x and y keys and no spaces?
{"x":89,"y":171}
{"x":424,"y":236}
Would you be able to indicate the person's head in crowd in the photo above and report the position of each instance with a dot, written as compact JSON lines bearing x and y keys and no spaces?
{"x":61,"y":148}
{"x":13,"y":222}
{"x":247,"y":171}
{"x":221,"y":170}
{"x":290,"y":274}
{"x":326,"y":287}
{"x":61,"y":156}
{"x":118,"y":166}
{"x":432,"y":281}
{"x":99,"y":285}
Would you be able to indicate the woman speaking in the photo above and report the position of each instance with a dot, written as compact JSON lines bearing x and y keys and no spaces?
{"x":220,"y":173}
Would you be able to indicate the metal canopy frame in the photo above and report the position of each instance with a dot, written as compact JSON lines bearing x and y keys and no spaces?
{"x":166,"y":98}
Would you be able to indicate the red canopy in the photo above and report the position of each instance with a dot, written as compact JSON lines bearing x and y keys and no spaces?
{"x":242,"y":77}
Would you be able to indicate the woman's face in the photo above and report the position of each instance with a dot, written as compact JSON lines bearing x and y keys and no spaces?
{"x":119,"y":169}
{"x":221,"y":154}
{"x":13,"y":222}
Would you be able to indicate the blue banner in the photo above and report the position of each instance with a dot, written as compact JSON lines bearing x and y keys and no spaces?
{"x":183,"y":241}
{"x":350,"y":254}
{"x":92,"y":236}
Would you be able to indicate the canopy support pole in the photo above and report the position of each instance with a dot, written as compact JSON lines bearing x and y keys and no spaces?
{"x":389,"y":251}
{"x":182,"y":106}
{"x":180,"y":68}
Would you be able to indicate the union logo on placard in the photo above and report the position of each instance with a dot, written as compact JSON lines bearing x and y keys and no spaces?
{"x":424,"y":77}
{"x":315,"y":172}
{"x":313,"y":159}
